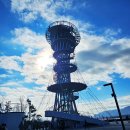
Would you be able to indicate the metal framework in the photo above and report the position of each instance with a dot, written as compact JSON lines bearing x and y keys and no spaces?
{"x":63,"y":37}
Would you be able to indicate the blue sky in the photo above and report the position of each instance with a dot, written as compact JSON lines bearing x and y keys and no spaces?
{"x":102,"y":55}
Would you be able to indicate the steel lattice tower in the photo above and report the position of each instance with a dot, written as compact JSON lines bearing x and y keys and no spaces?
{"x":63,"y":37}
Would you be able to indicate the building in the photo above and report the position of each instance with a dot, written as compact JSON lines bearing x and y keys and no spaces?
{"x":11,"y":119}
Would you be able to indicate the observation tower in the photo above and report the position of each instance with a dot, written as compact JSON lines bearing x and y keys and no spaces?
{"x":63,"y":37}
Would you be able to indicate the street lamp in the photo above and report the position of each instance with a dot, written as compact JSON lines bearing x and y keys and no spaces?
{"x":114,"y":95}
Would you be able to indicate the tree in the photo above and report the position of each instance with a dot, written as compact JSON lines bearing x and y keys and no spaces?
{"x":8,"y":107}
{"x":32,"y":109}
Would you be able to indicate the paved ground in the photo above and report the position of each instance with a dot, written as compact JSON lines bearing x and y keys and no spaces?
{"x":104,"y":128}
{"x":109,"y":127}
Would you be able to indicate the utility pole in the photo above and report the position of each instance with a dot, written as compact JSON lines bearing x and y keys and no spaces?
{"x":117,"y":105}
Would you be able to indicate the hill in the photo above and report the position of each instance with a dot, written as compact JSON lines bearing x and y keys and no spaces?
{"x":124,"y":111}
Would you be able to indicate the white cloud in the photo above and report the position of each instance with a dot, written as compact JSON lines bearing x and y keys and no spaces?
{"x":44,"y":100}
{"x":103,"y":54}
{"x":11,"y":84}
{"x":96,"y":57}
{"x":90,"y":42}
{"x":29,"y":39}
{"x":91,"y":107}
{"x":28,"y":17}
{"x":9,"y":63}
{"x":110,"y":32}
{"x":46,"y":9}
{"x":123,"y":42}
{"x":37,"y":68}
{"x":98,"y":69}
{"x":122,"y":66}
{"x":35,"y":95}
{"x":99,"y":88}
{"x":3,"y":76}
{"x":123,"y":102}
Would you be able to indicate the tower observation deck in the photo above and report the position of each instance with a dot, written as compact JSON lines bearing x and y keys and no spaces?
{"x":63,"y":37}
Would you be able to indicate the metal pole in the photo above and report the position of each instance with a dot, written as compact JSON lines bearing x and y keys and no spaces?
{"x":117,"y":105}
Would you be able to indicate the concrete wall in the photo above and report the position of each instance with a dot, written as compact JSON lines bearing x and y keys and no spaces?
{"x":11,"y":119}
